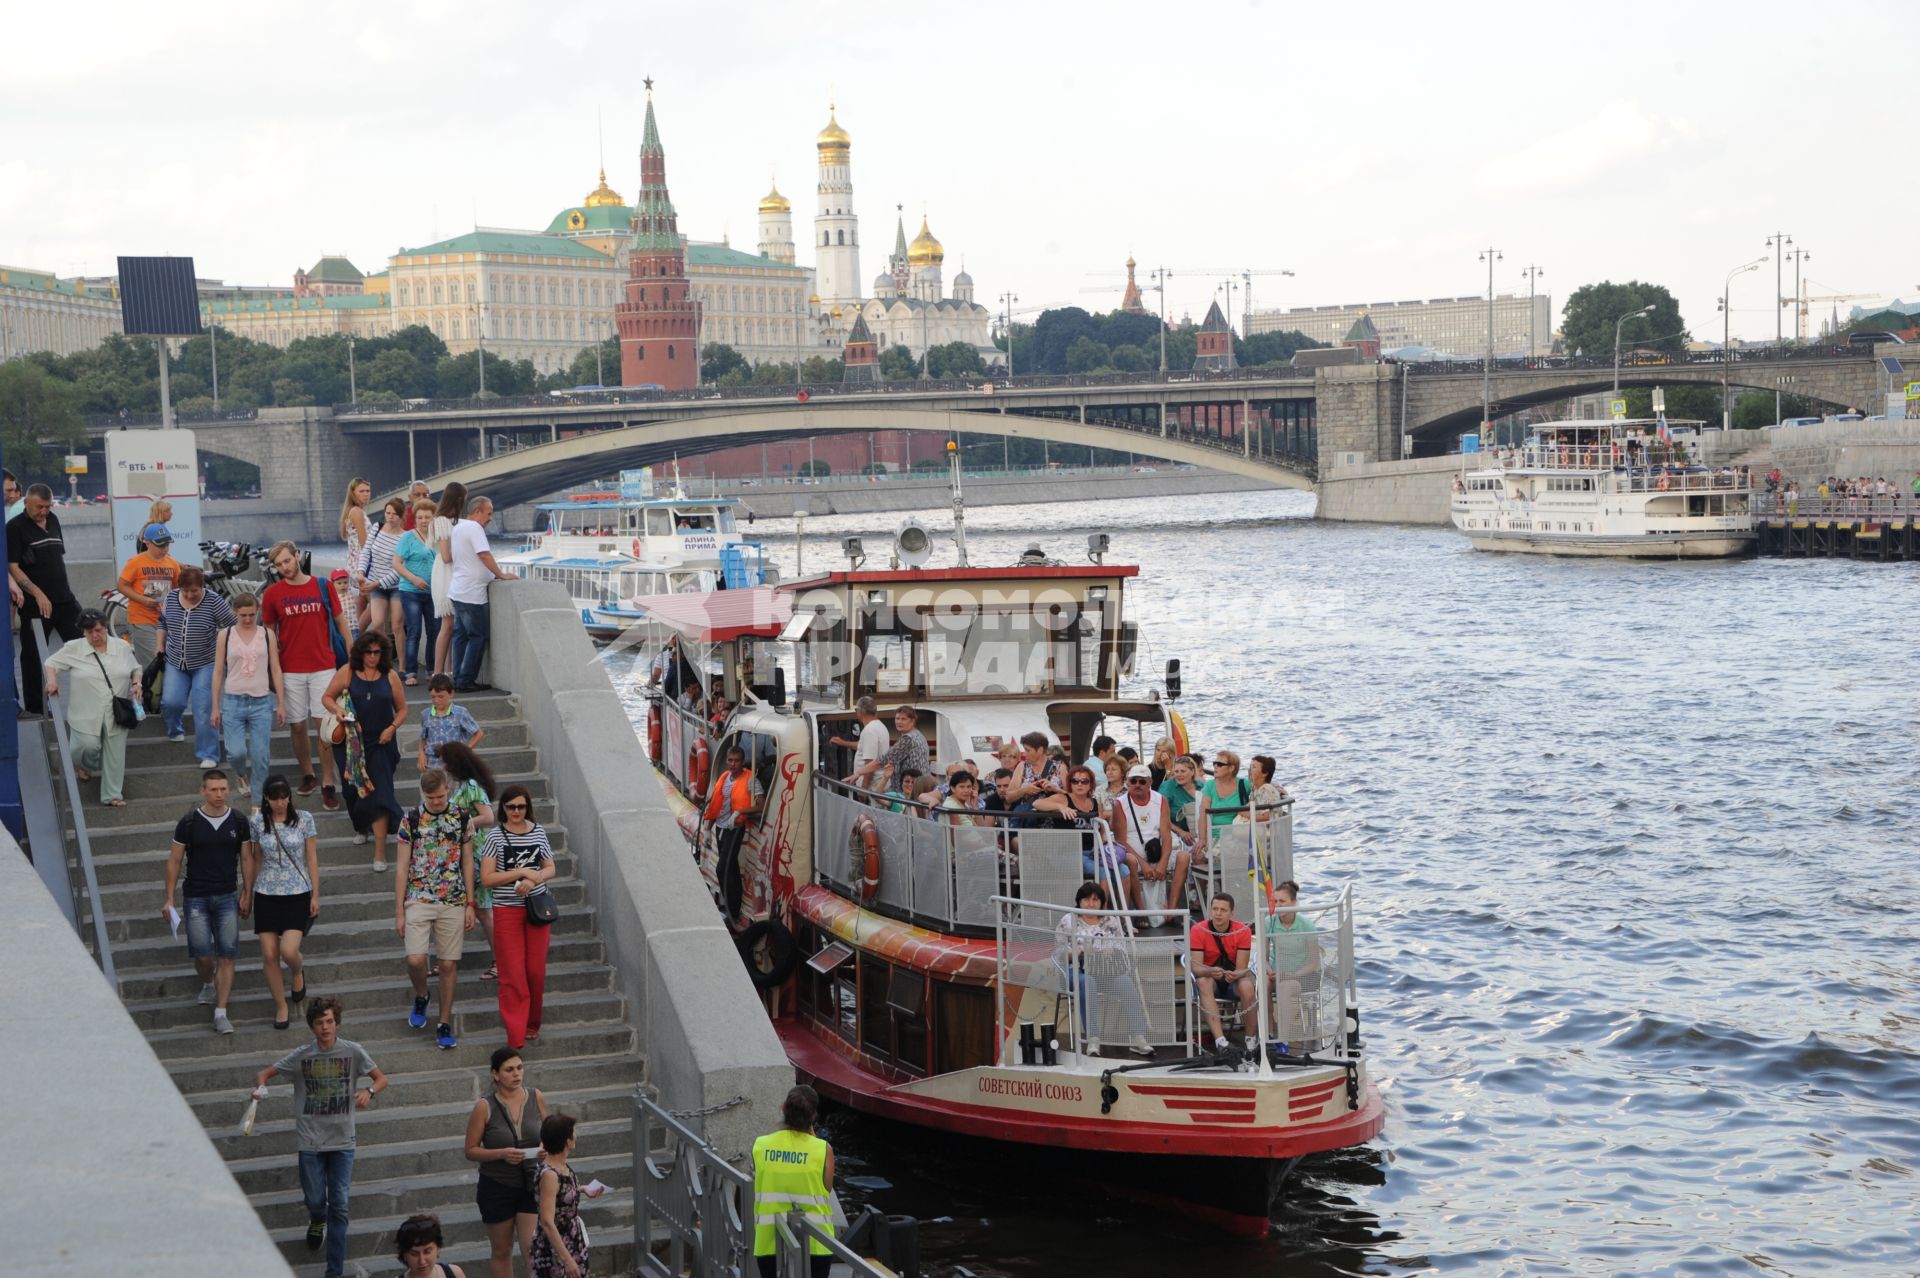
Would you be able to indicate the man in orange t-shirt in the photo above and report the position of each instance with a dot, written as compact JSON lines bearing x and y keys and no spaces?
{"x":145,"y":581}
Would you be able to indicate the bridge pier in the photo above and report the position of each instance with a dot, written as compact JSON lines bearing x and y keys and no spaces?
{"x":1357,"y":407}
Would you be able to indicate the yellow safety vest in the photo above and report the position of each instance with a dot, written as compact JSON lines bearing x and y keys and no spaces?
{"x":789,"y":1174}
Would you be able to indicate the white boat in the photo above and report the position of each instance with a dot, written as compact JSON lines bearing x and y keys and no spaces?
{"x":1621,"y":488}
{"x":607,"y":547}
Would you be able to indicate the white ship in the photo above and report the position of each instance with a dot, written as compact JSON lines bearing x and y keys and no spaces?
{"x":609,"y":547}
{"x":1620,"y":488}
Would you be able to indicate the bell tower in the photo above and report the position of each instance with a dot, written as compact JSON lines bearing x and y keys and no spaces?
{"x":836,"y":231}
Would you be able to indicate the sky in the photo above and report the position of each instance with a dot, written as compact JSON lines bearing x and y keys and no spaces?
{"x":1374,"y":151}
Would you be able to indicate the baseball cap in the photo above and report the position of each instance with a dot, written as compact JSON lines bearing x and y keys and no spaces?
{"x":1140,"y":771}
{"x":156,"y":534}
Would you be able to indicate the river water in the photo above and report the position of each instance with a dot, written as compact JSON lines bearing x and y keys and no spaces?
{"x":1633,"y":852}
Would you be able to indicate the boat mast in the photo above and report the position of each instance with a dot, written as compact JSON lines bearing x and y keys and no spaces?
{"x":959,"y":502}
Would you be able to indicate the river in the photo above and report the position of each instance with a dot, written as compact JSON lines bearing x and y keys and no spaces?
{"x":1633,"y":851}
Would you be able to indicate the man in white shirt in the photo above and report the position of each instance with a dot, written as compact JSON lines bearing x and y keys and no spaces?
{"x":473,"y":571}
{"x":873,"y":742}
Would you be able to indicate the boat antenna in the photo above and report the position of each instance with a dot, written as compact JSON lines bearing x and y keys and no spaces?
{"x":959,"y":502}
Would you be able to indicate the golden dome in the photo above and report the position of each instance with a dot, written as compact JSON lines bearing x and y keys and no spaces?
{"x":774,"y":202}
{"x":836,"y":312}
{"x":813,"y":299}
{"x":925,"y":250}
{"x":603,"y":195}
{"x":833,"y":135}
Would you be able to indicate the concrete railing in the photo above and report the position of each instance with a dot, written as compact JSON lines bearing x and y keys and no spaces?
{"x":112,"y":1172}
{"x":711,"y":1052}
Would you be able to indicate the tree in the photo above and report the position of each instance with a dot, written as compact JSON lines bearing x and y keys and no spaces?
{"x":588,"y":369}
{"x":897,"y":364}
{"x":39,"y":420}
{"x":815,"y":467}
{"x":1131,"y":359}
{"x":717,"y":359}
{"x":1054,"y":334}
{"x":774,"y":373}
{"x":1086,"y":354}
{"x":1593,"y":309}
{"x":954,"y":359}
{"x":1271,"y":348}
{"x":1684,"y":403}
{"x":819,"y":370}
{"x":1754,"y":409}
{"x":393,"y":371}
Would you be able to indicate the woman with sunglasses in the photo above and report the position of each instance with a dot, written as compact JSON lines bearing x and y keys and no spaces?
{"x":1225,"y":789}
{"x":516,"y":862}
{"x":1077,"y":809}
{"x":281,"y":869}
{"x":367,"y":697}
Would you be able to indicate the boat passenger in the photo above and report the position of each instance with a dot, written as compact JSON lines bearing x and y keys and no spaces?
{"x":1293,"y":962}
{"x":1036,"y":775}
{"x":1104,"y":748}
{"x":1000,"y":797}
{"x":1141,"y":823}
{"x":1266,"y":794}
{"x":1219,"y":947}
{"x":1090,"y":952}
{"x":1076,"y":809}
{"x":870,"y":747}
{"x":1227,"y":789}
{"x":1113,"y":781}
{"x":909,"y":749}
{"x":1162,"y":761}
{"x":962,"y":800}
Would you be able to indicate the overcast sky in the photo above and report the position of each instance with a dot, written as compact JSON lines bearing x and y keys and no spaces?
{"x":1373,"y":150}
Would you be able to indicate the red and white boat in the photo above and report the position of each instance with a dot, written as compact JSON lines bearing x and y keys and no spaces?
{"x":919,"y":969}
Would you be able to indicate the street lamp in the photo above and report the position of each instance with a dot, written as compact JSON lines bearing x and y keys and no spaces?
{"x":1726,"y":340}
{"x":1617,"y":324}
{"x":1006,"y":308}
{"x":1533,"y":274}
{"x":1778,"y":242}
{"x":1489,"y":256}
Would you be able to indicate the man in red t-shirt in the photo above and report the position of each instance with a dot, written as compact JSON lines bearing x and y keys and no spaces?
{"x":1220,"y":946}
{"x":299,"y":608}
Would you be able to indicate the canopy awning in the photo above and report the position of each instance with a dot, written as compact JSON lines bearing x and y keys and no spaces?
{"x":719,"y":615}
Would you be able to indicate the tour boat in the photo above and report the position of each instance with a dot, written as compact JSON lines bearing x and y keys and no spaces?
{"x":609,"y":546}
{"x":918,"y":969}
{"x":1620,"y":488}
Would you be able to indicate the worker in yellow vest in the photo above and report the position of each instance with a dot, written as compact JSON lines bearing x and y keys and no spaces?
{"x":792,"y":1171}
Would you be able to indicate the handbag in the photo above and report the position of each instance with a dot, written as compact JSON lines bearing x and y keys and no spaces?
{"x":123,"y":714}
{"x":542,"y":909}
{"x":150,"y":682}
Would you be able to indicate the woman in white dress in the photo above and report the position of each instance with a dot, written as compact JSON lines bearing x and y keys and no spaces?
{"x":353,"y":531}
{"x":453,"y":504}
{"x":102,"y":667}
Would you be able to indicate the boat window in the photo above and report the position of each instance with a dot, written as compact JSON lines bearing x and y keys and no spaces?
{"x":966,"y":1020}
{"x":693,"y":521}
{"x":659,"y":522}
{"x":630,"y":521}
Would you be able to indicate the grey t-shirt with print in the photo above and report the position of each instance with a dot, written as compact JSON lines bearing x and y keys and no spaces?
{"x":324,"y":1084}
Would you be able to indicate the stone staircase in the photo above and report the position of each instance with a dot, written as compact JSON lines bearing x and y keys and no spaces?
{"x":410,"y":1158}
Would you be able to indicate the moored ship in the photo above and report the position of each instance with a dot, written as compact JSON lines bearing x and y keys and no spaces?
{"x":1620,"y":488}
{"x":930,"y":965}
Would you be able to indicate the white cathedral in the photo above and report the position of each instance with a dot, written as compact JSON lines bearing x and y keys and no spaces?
{"x":909,"y":305}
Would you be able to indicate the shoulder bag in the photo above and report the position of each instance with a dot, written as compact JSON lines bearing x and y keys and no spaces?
{"x":123,"y":715}
{"x":542,"y":909}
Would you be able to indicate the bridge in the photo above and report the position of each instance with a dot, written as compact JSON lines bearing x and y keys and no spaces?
{"x":1279,"y":425}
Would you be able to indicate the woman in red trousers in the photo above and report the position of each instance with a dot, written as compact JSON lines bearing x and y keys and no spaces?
{"x":516,"y":862}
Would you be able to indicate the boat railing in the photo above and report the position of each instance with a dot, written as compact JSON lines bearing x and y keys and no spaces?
{"x":1658,"y":479}
{"x":1070,"y":976}
{"x":694,"y":1212}
{"x":686,"y":735}
{"x":940,"y":867}
{"x":1240,"y":851}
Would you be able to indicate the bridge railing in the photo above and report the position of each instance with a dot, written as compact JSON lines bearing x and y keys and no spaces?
{"x":1695,"y":359}
{"x":110,"y":420}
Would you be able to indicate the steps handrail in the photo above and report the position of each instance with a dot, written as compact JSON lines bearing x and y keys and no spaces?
{"x":83,"y":845}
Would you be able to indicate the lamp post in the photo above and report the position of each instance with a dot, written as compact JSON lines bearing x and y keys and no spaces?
{"x":1006,"y":308}
{"x":353,"y":390}
{"x":479,"y":336}
{"x":213,"y":337}
{"x":1778,"y":242}
{"x":1617,"y":325}
{"x":1489,"y":256}
{"x":1533,"y":274}
{"x":599,"y":348}
{"x":1799,"y":255}
{"x":1726,"y":340}
{"x":1159,"y":275}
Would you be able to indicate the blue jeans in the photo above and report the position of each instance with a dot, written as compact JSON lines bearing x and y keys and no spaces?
{"x":417,"y":609}
{"x":247,"y":724}
{"x":191,"y":691}
{"x":326,"y":1182}
{"x":213,"y":926}
{"x":469,"y":642}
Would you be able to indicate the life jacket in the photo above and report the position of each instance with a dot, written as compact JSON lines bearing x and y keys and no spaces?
{"x":741,"y":787}
{"x":789,"y":1174}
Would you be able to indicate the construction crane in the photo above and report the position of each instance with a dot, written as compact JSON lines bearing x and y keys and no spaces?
{"x":1800,"y":317}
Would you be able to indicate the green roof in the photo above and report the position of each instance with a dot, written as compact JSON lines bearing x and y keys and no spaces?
{"x":525,"y":243}
{"x":335,"y":270}
{"x":721,"y":255}
{"x":264,"y":305}
{"x":601,"y":217}
{"x":1363,"y":331}
{"x":41,"y":281}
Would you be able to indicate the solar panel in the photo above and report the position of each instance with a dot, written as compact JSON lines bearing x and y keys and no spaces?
{"x":158,"y":296}
{"x":1892,"y":365}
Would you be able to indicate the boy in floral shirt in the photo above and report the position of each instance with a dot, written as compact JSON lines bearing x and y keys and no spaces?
{"x":433,"y":899}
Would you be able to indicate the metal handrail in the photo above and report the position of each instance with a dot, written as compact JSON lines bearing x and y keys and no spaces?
{"x":1777,"y":505}
{"x":83,"y":845}
{"x":706,"y":1206}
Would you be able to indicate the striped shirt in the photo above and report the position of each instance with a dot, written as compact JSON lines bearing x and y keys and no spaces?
{"x":378,"y":562}
{"x":512,"y":851}
{"x":191,"y":631}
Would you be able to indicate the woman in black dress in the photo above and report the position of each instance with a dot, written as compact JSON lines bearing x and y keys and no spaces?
{"x":368,"y":698}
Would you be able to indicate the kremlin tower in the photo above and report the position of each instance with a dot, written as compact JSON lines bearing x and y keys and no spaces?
{"x":776,"y":227}
{"x":659,"y":321}
{"x":836,"y":231}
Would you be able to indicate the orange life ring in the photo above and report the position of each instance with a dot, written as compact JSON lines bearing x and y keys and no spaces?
{"x":698,"y":760}
{"x":653,"y":734}
{"x":868,"y":839}
{"x":636,"y":547}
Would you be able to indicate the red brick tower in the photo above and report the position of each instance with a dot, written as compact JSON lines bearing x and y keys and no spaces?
{"x":1213,"y":344}
{"x":861,"y":355}
{"x":659,"y":322}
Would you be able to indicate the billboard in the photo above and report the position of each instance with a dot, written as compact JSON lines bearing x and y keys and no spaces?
{"x":146,"y":465}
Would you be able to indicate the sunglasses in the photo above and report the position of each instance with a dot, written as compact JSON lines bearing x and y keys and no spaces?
{"x":1138,"y":781}
{"x":1222,"y":763}
{"x":515,"y":807}
{"x":1080,"y":781}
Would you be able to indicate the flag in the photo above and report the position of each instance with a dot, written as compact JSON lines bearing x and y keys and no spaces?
{"x":1666,"y":436}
